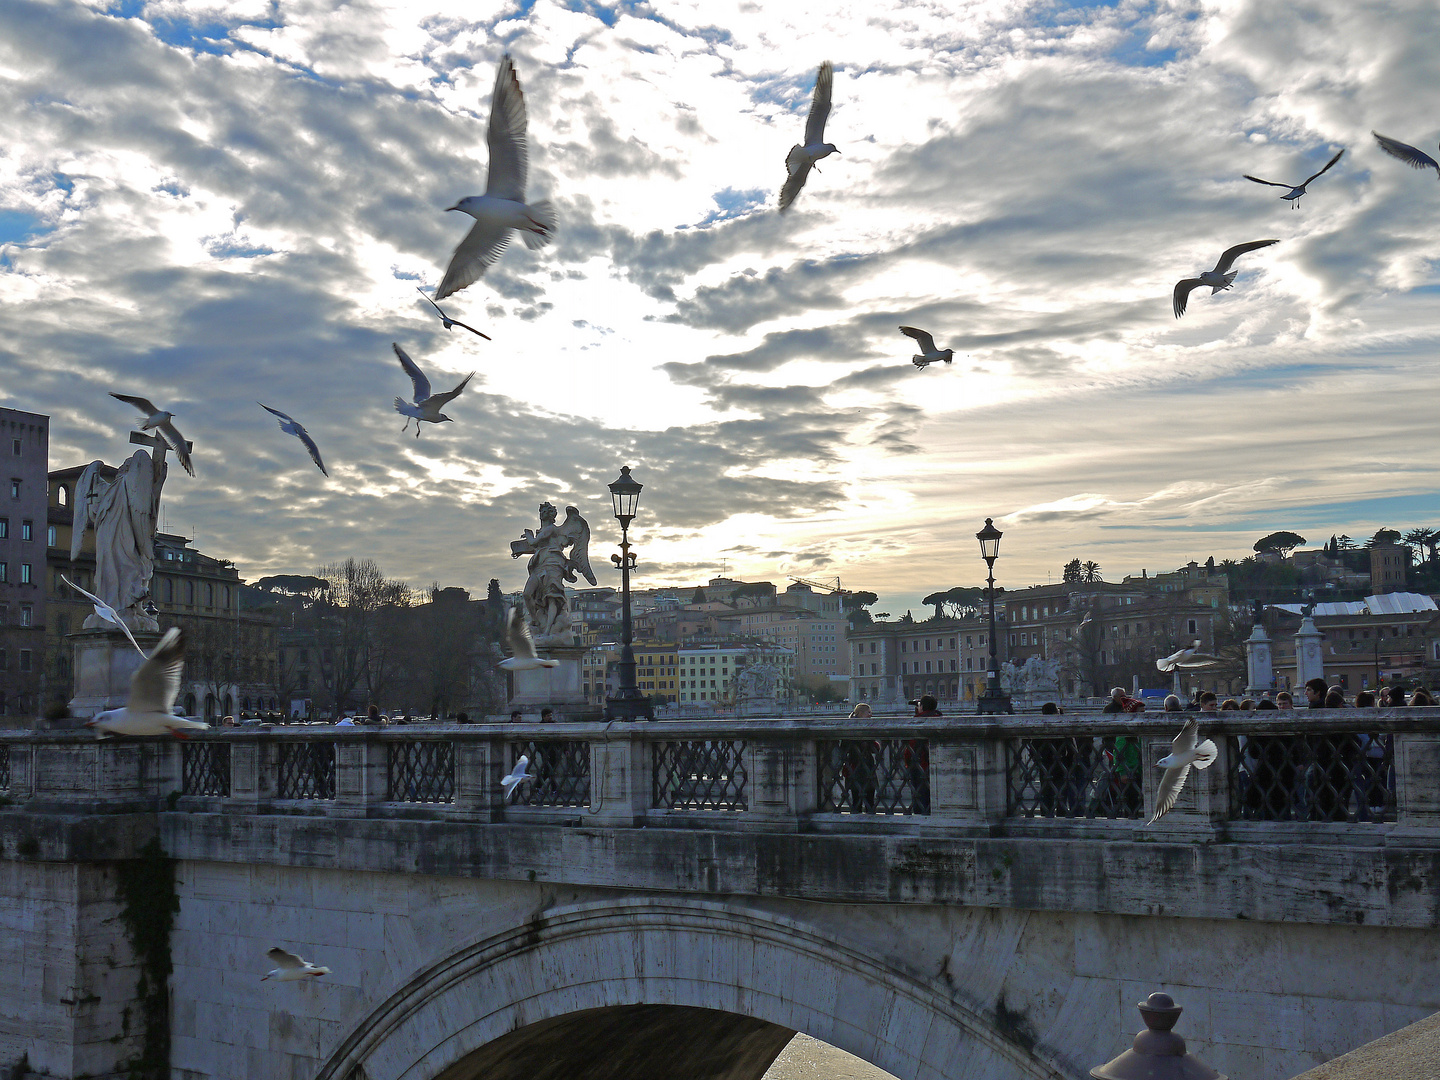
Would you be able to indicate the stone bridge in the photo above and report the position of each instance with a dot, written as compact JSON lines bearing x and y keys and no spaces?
{"x":960,"y":898}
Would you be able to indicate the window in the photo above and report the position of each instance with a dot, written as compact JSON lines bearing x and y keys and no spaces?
{"x":62,"y":495}
{"x":15,"y":447}
{"x":4,"y":528}
{"x":4,"y":571}
{"x":27,"y":616}
{"x":209,"y":595}
{"x":904,"y":669}
{"x":1194,"y":627}
{"x":27,"y":530}
{"x":4,"y":661}
{"x":24,"y":573}
{"x":872,"y":646}
{"x":190,"y":592}
{"x":24,"y":659}
{"x":14,"y":488}
{"x":50,"y":535}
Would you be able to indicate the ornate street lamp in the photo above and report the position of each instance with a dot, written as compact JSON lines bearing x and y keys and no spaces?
{"x":627,"y":703}
{"x":994,"y":700}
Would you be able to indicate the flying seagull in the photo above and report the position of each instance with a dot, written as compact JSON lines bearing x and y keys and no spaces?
{"x":427,"y":405}
{"x":149,"y":709}
{"x":522,"y":645}
{"x":1188,"y":657}
{"x":1294,"y":193}
{"x":448,"y":322}
{"x":802,"y":158}
{"x":1086,"y":621}
{"x":1412,"y":156}
{"x":1184,"y":752}
{"x":105,"y":611}
{"x":1218,"y":279}
{"x":502,"y":207}
{"x":292,"y":427}
{"x":518,"y":775}
{"x":929,"y":354}
{"x":291,"y":968}
{"x":156,"y":420}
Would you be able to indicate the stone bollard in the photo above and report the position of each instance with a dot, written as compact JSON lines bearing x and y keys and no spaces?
{"x":1158,"y":1053}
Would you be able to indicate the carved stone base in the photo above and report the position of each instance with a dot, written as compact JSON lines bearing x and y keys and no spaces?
{"x":559,"y":687}
{"x":104,"y":662}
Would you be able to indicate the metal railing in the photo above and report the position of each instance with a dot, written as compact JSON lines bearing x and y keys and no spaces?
{"x":307,"y":769}
{"x":874,"y":776}
{"x":698,"y":774}
{"x":1317,"y":773}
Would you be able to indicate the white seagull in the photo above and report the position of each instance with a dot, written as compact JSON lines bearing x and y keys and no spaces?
{"x":150,"y":708}
{"x":1184,"y":752}
{"x":1412,"y":156}
{"x":105,"y":611}
{"x":1188,"y":657}
{"x":502,"y":207}
{"x":518,"y":775}
{"x":427,"y":405}
{"x":1087,"y":620}
{"x":929,"y":353}
{"x":445,"y":320}
{"x":1219,"y":278}
{"x":522,"y":645}
{"x":802,"y":158}
{"x":294,"y":427}
{"x":159,"y":421}
{"x":1295,"y":191}
{"x":291,"y":968}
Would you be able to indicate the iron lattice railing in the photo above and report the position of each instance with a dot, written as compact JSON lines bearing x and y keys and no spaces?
{"x":5,"y":768}
{"x":1074,"y":777}
{"x":421,"y":772}
{"x":699,"y":774}
{"x":307,"y":769}
{"x":874,"y":776}
{"x":1317,"y":776}
{"x":561,"y":772}
{"x":205,"y":769}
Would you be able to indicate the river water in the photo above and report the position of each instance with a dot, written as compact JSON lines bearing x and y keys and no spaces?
{"x":810,"y":1059}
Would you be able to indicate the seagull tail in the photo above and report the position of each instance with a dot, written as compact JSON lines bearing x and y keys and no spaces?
{"x":543,"y":215}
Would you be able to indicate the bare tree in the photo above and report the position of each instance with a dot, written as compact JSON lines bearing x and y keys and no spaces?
{"x":354,"y":649}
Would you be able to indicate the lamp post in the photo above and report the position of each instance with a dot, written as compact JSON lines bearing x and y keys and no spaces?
{"x":627,"y":703}
{"x":994,"y":700}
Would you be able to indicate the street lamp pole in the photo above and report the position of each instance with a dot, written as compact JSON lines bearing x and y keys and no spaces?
{"x":994,"y":700}
{"x":627,"y":703}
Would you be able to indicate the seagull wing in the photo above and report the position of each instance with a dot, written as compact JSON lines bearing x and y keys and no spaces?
{"x":422,"y":384}
{"x":156,"y":682}
{"x":105,"y":611}
{"x":1184,"y":743}
{"x":509,"y":158}
{"x":820,"y":105}
{"x":143,"y":404}
{"x":304,"y":437}
{"x":286,"y":960}
{"x":927,"y":343}
{"x":474,"y":255}
{"x":1227,"y":259}
{"x":441,"y":400}
{"x":1272,"y":183}
{"x":284,"y":419}
{"x":467,"y":326}
{"x":1327,"y":167}
{"x":432,"y":303}
{"x":171,"y":435}
{"x":1169,"y":791}
{"x":791,"y":188}
{"x":1182,"y":294}
{"x":517,"y":634}
{"x":1412,"y":156}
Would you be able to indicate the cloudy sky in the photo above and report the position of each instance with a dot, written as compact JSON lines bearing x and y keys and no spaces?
{"x":209,"y":203}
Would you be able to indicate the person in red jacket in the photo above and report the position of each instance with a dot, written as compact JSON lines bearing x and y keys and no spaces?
{"x":1123,"y":702}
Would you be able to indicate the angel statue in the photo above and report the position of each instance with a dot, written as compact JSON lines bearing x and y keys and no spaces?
{"x":550,"y":569}
{"x":123,"y":513}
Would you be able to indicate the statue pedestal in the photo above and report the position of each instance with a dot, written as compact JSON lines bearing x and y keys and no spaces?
{"x":559,"y":687}
{"x":104,"y":662}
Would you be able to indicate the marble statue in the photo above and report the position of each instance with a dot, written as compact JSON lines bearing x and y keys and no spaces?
{"x":550,"y":568}
{"x":123,"y":513}
{"x":758,"y":682}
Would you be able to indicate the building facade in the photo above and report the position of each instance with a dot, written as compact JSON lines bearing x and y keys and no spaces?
{"x":25,"y":449}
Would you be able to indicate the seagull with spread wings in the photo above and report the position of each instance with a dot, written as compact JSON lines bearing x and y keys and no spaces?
{"x":105,"y":611}
{"x":1186,"y":658}
{"x":1218,"y":279}
{"x":427,"y":404}
{"x":157,"y":420}
{"x":522,"y":646}
{"x":520,"y":774}
{"x":930,"y":353}
{"x":802,"y":157}
{"x":149,"y":710}
{"x":291,"y":968}
{"x":502,"y":209}
{"x":294,"y":427}
{"x":1295,"y":191}
{"x":1185,"y":751}
{"x":448,"y":322}
{"x":1411,"y":155}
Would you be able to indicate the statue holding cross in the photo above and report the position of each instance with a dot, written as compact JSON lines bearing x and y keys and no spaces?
{"x":123,"y":513}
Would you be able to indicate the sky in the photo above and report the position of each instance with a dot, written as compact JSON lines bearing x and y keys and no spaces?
{"x":212,"y":203}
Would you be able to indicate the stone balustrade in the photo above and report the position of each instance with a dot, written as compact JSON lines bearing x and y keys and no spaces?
{"x":1355,"y":775}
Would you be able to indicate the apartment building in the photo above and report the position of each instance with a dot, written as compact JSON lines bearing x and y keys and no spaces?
{"x":25,"y":449}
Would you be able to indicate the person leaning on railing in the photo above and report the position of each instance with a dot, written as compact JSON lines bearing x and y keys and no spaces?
{"x":858,"y":767}
{"x":915,"y":756}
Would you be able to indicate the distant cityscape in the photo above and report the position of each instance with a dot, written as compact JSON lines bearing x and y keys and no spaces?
{"x":346,"y":637}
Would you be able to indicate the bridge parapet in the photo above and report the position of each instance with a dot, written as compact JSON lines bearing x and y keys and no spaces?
{"x":1351,"y":774}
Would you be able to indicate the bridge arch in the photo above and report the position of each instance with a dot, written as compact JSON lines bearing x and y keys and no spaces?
{"x":711,"y":974}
